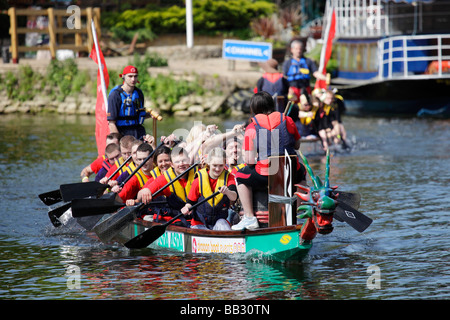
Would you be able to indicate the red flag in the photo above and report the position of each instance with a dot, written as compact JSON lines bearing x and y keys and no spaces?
{"x":326,"y":50}
{"x":101,"y":124}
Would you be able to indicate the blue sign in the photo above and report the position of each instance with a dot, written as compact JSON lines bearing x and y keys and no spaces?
{"x":246,"y":50}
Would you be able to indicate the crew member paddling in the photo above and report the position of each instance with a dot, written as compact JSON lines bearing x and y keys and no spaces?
{"x":176,"y":194}
{"x":213,"y":213}
{"x":137,"y":182}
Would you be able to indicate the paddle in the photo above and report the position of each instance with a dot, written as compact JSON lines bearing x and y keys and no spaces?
{"x":352,"y":217}
{"x":107,"y":203}
{"x":108,"y":228}
{"x":353,"y":199}
{"x":154,"y":232}
{"x":57,"y":212}
{"x":50,"y":197}
{"x":85,"y":189}
{"x":54,"y":214}
{"x":67,"y":192}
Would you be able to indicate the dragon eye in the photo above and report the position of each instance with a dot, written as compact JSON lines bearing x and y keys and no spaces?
{"x":315,"y":195}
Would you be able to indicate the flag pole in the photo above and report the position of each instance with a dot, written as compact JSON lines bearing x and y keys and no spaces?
{"x":100,"y":66}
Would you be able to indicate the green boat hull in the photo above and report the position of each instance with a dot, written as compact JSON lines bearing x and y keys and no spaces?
{"x":281,"y":244}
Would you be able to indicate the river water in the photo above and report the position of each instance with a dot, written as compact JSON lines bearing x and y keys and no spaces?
{"x":401,"y":167}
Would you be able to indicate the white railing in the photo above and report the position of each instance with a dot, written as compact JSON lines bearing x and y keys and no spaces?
{"x":404,"y":53}
{"x":358,"y":18}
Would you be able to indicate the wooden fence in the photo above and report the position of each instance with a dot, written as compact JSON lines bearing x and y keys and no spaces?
{"x":82,"y":30}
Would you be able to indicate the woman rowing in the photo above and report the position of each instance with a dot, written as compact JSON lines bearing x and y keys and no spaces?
{"x":214,"y":213}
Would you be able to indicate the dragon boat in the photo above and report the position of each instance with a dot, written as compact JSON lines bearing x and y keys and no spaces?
{"x":279,"y":238}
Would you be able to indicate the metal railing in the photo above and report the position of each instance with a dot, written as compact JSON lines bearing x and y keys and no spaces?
{"x":421,"y":56}
{"x":358,"y":18}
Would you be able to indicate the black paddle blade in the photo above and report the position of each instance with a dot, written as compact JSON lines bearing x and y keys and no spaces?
{"x":146,"y":238}
{"x":353,"y":199}
{"x":89,"y":222}
{"x":51,"y":197}
{"x":54,"y":214}
{"x":353,"y":217}
{"x":82,"y":190}
{"x":93,"y":206}
{"x":107,"y":229}
{"x":153,"y":233}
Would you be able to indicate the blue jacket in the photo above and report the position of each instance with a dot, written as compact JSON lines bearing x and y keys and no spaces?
{"x":125,"y":109}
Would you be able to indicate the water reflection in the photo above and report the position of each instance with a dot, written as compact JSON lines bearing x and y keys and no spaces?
{"x":113,"y":274}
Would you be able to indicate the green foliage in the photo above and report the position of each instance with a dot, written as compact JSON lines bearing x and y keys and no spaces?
{"x":162,"y":87}
{"x":332,"y":65}
{"x":10,"y":83}
{"x":127,"y":35}
{"x":209,"y":16}
{"x":22,"y":86}
{"x":65,"y":76}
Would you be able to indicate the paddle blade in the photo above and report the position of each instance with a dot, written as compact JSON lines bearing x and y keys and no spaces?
{"x":88,"y":222}
{"x":94,"y":206}
{"x":54,"y":214}
{"x":146,"y":238}
{"x":352,"y":217}
{"x":352,"y":199}
{"x":107,"y":229}
{"x":153,"y":233}
{"x":51,"y":197}
{"x":82,"y":190}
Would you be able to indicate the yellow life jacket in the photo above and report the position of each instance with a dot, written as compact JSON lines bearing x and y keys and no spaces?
{"x":205,"y":186}
{"x":327,"y":109}
{"x":176,"y":187}
{"x":118,"y":163}
{"x":239,"y":166}
{"x":307,"y":120}
{"x":130,"y":167}
{"x":142,"y":178}
{"x":155,"y":173}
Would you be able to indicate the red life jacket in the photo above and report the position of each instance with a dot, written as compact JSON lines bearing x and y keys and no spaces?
{"x":106,"y":164}
{"x":272,"y":136}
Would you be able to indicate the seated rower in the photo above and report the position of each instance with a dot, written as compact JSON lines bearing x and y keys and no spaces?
{"x":307,"y":114}
{"x":137,"y":182}
{"x":130,"y":167}
{"x":213,"y":213}
{"x":234,"y":161}
{"x":338,"y":130}
{"x":176,"y":194}
{"x":323,"y":120}
{"x":125,"y":151}
{"x":96,"y":165}
{"x":161,"y":162}
{"x":112,"y":153}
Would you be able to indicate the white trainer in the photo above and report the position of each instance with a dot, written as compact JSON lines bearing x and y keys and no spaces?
{"x":246,"y":223}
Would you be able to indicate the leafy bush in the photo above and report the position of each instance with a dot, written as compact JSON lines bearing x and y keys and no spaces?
{"x":65,"y":76}
{"x":162,"y":87}
{"x":208,"y":16}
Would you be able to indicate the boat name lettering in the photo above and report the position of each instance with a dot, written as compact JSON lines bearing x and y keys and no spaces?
{"x":174,"y":240}
{"x":217,"y":245}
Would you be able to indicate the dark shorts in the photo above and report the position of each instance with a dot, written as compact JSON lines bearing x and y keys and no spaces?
{"x":248,"y":176}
